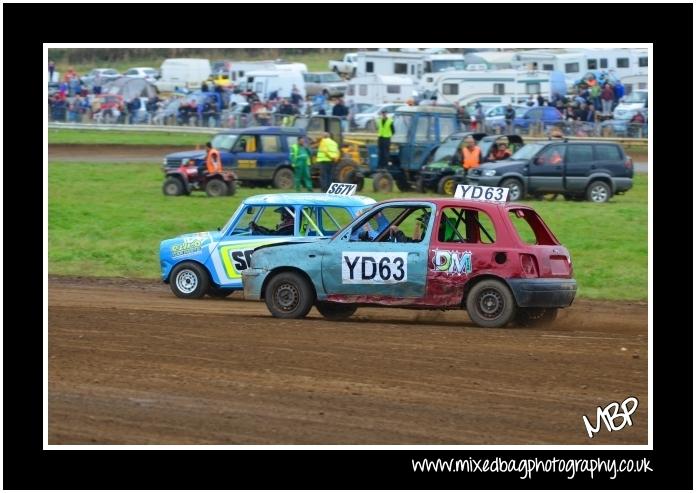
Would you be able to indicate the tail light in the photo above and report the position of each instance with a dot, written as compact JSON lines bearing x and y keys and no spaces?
{"x":628,"y":164}
{"x":529,"y":265}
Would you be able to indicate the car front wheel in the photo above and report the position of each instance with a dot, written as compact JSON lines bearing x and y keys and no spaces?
{"x":189,"y":280}
{"x":289,"y":295}
{"x":516,"y":189}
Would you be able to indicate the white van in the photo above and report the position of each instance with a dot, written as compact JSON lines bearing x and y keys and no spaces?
{"x":264,"y":82}
{"x":183,"y":72}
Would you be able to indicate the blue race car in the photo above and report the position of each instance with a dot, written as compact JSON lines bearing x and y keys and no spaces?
{"x":211,"y":262}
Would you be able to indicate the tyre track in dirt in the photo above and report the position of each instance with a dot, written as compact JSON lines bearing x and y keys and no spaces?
{"x":131,"y":364}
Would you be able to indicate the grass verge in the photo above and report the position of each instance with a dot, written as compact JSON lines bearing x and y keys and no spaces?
{"x":108,"y":220}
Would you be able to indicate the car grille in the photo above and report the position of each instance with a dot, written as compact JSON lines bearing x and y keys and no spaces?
{"x":173,"y":162}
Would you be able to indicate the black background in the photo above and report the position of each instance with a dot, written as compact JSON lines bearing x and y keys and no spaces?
{"x":26,"y":27}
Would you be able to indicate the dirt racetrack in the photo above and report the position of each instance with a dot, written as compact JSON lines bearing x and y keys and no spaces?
{"x":131,"y":364}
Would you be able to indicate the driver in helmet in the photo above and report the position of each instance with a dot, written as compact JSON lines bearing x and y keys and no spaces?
{"x":286,"y":226}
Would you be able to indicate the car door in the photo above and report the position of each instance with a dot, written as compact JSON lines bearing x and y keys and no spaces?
{"x":246,"y":157}
{"x":272,"y":155}
{"x":579,"y":162}
{"x":373,"y":271}
{"x":546,"y":169}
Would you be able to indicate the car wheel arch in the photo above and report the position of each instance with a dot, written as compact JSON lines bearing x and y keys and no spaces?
{"x":279,"y":270}
{"x":468,"y":286}
{"x":191,"y":261}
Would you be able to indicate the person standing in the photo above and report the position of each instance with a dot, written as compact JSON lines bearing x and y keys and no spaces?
{"x":51,"y":70}
{"x":300,"y":159}
{"x":341,"y":111}
{"x":471,"y":154}
{"x":213,"y":163}
{"x":509,"y":118}
{"x":327,"y":155}
{"x":607,"y":99}
{"x":385,"y":130}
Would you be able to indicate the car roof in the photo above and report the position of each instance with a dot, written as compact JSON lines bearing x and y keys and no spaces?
{"x":264,"y":131}
{"x":452,"y":202}
{"x":310,"y":199}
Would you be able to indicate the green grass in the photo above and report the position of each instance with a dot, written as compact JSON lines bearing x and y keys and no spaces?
{"x":108,"y":220}
{"x":90,"y":137}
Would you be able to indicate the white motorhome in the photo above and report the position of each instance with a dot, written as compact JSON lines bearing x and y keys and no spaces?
{"x":576,"y":62}
{"x":264,"y":82}
{"x":497,"y":86}
{"x":184,"y":73}
{"x":291,"y":66}
{"x":378,"y":89}
{"x":391,"y":63}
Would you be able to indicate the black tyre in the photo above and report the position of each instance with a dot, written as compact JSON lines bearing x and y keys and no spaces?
{"x":335,"y":311}
{"x":403,"y":184}
{"x":446,"y":186}
{"x":420,"y":185}
{"x":598,"y":192}
{"x":536,"y":317}
{"x":382,"y":182}
{"x":231,"y":187}
{"x":216,"y":188}
{"x":490,"y":304}
{"x":173,"y":186}
{"x":284,"y":179}
{"x":217,"y":292}
{"x":516,"y":189}
{"x":189,"y":280}
{"x":348,"y":171}
{"x":289,"y":295}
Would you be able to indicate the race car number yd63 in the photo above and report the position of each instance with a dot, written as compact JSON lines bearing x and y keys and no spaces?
{"x":373,"y":267}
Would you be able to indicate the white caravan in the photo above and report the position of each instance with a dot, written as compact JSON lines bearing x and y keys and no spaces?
{"x":391,"y":63}
{"x":264,"y":82}
{"x":497,"y":86}
{"x":186,"y":73}
{"x":377,"y":89}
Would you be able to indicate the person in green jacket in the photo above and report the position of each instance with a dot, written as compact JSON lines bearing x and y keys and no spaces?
{"x":300,"y":158}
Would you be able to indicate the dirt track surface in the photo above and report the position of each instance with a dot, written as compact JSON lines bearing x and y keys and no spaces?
{"x":112,"y":153}
{"x":131,"y":364}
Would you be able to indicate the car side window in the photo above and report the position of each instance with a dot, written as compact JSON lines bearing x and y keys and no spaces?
{"x":552,"y":155}
{"x":246,"y":143}
{"x":270,"y":143}
{"x":606,"y":152}
{"x":579,"y":154}
{"x":462,"y":225}
{"x":536,"y":113}
{"x":399,"y":224}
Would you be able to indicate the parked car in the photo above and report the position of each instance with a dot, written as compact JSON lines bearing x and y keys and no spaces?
{"x":621,"y":125}
{"x":495,"y":116}
{"x":590,"y":169}
{"x":366,"y":119}
{"x":349,"y":64}
{"x":212,"y":262}
{"x":148,"y":73}
{"x":548,"y":116}
{"x":107,"y":75}
{"x":316,"y":82}
{"x":637,"y":100}
{"x":441,"y":254}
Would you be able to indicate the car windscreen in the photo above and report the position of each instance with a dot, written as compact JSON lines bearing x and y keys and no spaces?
{"x":446,"y":151}
{"x":224,"y":142}
{"x":528,"y":151}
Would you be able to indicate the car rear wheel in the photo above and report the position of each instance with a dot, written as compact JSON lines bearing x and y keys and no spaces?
{"x":189,"y":280}
{"x":335,"y":311}
{"x":173,"y":186}
{"x":490,"y":304}
{"x":216,"y":188}
{"x":516,"y":189}
{"x":598,"y":192}
{"x":289,"y":295}
{"x":536,"y":317}
{"x":382,"y":182}
{"x":420,"y":185}
{"x":283,"y":179}
{"x":231,"y":187}
{"x":447,"y":186}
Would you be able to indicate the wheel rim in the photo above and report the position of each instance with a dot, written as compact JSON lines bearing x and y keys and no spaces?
{"x":285,"y":181}
{"x":514,"y":191}
{"x":383,"y":185}
{"x":171,"y":188}
{"x":186,"y":281}
{"x":490,"y":304}
{"x":345,"y":174}
{"x":449,"y":187}
{"x":287,"y":297}
{"x":215,"y":189}
{"x":599,"y":193}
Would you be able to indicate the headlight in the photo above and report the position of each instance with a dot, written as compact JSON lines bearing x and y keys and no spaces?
{"x":184,"y":161}
{"x":164,"y":162}
{"x":489,"y":172}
